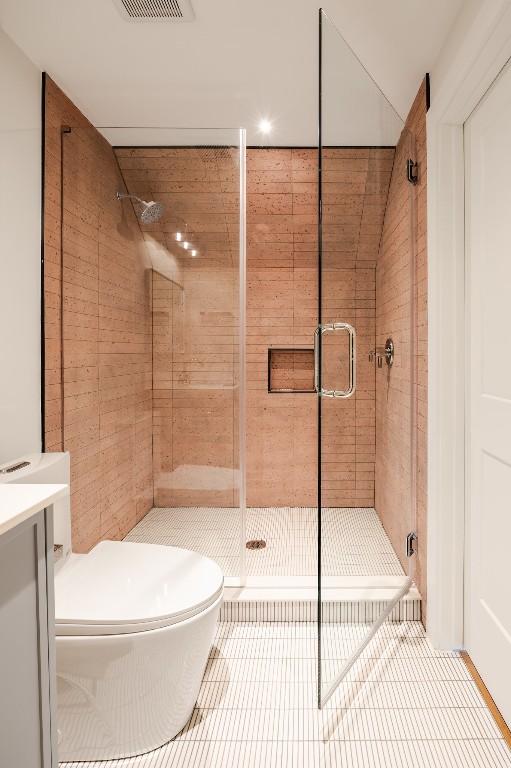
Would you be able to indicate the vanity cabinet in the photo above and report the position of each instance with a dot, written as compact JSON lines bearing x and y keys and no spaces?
{"x":27,"y":653}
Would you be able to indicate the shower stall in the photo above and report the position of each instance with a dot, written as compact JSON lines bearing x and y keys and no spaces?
{"x":197,"y":262}
{"x":196,"y":253}
{"x":231,"y":352}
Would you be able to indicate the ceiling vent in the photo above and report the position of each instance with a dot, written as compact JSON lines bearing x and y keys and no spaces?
{"x":156,"y":10}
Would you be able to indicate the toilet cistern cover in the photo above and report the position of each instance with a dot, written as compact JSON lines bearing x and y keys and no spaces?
{"x":123,"y":586}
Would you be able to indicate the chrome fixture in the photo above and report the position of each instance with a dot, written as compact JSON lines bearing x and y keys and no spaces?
{"x":151,"y":211}
{"x":383,"y":353}
{"x":332,"y":328}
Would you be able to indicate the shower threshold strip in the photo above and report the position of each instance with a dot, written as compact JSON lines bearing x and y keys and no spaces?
{"x":279,"y":592}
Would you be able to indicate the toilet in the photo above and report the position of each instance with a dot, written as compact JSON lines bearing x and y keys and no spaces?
{"x":134,"y":627}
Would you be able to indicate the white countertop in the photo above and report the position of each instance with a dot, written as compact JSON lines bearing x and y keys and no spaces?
{"x":19,"y":501}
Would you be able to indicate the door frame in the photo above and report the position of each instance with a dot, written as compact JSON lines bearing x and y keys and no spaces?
{"x":478,"y":48}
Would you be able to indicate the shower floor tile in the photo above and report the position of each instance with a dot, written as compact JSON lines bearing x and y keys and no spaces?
{"x":354,"y":540}
{"x":402,"y":704}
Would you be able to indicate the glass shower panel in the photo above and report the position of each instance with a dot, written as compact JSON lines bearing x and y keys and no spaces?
{"x":364,"y":359}
{"x":197,"y":265}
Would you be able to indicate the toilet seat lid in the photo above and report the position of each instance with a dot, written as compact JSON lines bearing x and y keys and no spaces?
{"x":124,"y":586}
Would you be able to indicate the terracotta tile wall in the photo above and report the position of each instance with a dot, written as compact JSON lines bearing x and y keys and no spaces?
{"x":355,"y":189}
{"x":107,"y":331}
{"x":404,"y":229}
{"x":282,"y":311}
{"x":416,"y":123}
{"x":195,"y":320}
{"x":192,"y":463}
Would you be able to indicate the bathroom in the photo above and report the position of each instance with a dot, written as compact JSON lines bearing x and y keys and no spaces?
{"x":229,"y":402}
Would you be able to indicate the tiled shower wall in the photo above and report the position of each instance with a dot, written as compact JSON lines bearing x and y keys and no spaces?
{"x":195,"y":319}
{"x":393,"y":318}
{"x":282,"y":311}
{"x":394,"y":293}
{"x":416,"y":123}
{"x":104,"y":353}
{"x":355,"y":189}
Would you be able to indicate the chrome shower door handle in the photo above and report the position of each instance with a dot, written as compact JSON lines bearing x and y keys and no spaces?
{"x":316,"y":358}
{"x":352,"y":362}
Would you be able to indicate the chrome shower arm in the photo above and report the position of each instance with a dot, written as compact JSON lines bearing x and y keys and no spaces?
{"x":126,"y":196}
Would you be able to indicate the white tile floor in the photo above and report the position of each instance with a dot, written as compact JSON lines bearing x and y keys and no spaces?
{"x":403,"y":705}
{"x":354,"y":540}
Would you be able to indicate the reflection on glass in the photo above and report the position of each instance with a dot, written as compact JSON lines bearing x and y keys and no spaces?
{"x":195,"y":254}
{"x":366,"y":273}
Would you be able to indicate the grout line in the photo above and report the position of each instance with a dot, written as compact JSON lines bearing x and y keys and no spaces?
{"x":260,"y":709}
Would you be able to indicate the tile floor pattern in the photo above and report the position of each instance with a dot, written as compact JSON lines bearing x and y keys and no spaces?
{"x":354,"y":540}
{"x":403,"y":705}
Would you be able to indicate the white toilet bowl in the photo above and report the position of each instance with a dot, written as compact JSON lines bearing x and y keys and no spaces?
{"x":134,"y":626}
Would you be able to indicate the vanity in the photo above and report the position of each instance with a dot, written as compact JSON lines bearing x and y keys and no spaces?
{"x":28,"y":736}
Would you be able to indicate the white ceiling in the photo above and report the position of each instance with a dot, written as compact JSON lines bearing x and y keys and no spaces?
{"x":237,"y":62}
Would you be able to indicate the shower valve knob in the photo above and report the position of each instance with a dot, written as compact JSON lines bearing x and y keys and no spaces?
{"x":383,"y":353}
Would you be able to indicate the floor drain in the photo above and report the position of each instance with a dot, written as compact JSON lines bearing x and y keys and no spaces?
{"x":256,"y":544}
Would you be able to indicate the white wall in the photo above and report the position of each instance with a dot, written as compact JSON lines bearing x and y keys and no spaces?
{"x":477,"y":48}
{"x":20,"y":252}
{"x":475,"y":21}
{"x":236,"y":63}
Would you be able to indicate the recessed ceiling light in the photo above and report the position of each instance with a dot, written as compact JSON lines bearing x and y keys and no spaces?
{"x":265,"y":126}
{"x":179,"y":237}
{"x":186,"y":245}
{"x":194,"y":253}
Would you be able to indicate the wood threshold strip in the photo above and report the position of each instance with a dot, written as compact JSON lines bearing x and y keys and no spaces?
{"x":483,"y":690}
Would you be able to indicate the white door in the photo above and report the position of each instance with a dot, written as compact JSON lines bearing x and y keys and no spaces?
{"x":488,"y":415}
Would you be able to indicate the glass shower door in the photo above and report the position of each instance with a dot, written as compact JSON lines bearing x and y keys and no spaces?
{"x":364,"y":360}
{"x":195,"y":273}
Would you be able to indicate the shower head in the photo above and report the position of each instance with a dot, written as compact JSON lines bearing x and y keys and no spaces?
{"x":150,"y":212}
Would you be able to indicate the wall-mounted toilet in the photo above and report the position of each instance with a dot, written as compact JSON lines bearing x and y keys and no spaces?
{"x":134,"y":626}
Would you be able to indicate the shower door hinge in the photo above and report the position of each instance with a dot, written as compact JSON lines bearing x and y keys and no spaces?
{"x":412,"y":171}
{"x":411,"y":544}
